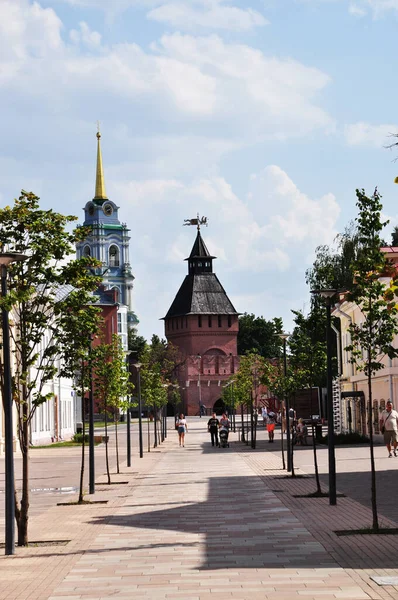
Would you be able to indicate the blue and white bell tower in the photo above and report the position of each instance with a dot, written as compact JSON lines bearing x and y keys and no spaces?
{"x":108,"y":242}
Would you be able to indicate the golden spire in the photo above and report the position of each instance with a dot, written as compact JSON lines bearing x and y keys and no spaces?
{"x":100,"y":193}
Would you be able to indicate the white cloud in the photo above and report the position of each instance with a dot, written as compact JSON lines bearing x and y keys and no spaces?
{"x":186,"y":79}
{"x":365,"y":134}
{"x":86,"y":36}
{"x":207,"y":14}
{"x":356,"y":10}
{"x":186,"y":15}
{"x":264,"y":238}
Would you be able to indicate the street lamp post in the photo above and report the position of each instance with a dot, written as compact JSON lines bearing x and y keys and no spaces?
{"x":6,"y":259}
{"x":200,"y":389}
{"x":91,"y":458}
{"x":328,"y":295}
{"x":138,"y":366}
{"x":128,"y":353}
{"x":284,"y":337}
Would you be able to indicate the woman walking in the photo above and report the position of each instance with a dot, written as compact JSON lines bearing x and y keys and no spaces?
{"x":182,"y":429}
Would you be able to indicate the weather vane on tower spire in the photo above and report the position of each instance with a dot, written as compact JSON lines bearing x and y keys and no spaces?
{"x":198,"y":221}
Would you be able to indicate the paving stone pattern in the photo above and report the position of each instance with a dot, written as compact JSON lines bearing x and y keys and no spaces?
{"x":201,"y":523}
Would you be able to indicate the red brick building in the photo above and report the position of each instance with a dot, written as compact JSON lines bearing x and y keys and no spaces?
{"x":203,"y":324}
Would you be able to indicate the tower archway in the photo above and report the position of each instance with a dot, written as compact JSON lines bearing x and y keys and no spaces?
{"x":219,"y":407}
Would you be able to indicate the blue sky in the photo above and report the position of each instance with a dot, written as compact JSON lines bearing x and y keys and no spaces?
{"x":263,"y":115}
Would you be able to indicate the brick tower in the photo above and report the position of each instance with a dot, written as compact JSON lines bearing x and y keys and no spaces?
{"x":203,"y":324}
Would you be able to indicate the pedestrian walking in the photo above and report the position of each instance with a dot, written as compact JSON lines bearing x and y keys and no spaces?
{"x":264,"y":414}
{"x":182,"y":429}
{"x":212,"y":427}
{"x":389,"y":428}
{"x":271,"y":422}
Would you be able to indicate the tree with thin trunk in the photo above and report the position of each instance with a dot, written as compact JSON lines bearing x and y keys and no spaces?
{"x":307,"y":358}
{"x":374,"y":292}
{"x":40,"y":289}
{"x":112,"y":385}
{"x":253,"y":371}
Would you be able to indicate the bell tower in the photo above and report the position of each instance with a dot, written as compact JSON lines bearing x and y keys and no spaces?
{"x":203,"y":323}
{"x":108,"y":241}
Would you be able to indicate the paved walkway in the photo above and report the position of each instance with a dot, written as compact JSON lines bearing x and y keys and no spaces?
{"x":201,"y":523}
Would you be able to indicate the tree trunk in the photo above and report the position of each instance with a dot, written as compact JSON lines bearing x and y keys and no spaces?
{"x":106,"y":442}
{"x":81,"y":495}
{"x":23,"y":513}
{"x":282,"y":444}
{"x":117,"y":444}
{"x":318,"y":481}
{"x":155,"y":441}
{"x":372,"y":457}
{"x":252,"y":441}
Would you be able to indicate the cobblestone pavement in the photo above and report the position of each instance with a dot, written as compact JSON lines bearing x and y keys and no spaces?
{"x":202,"y":523}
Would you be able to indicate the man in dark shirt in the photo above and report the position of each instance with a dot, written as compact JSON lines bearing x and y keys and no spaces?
{"x":212,"y":426}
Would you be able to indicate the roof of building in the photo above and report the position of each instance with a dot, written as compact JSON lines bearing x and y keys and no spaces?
{"x":201,"y":294}
{"x":199,"y":249}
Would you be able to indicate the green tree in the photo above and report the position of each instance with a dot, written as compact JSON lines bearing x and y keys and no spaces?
{"x":35,"y":297}
{"x":253,"y":371}
{"x":136,"y":343}
{"x":112,"y":386}
{"x":333,"y":266}
{"x":372,"y":338}
{"x":394,"y":237}
{"x":308,"y":359}
{"x":153,"y":386}
{"x":256,"y":334}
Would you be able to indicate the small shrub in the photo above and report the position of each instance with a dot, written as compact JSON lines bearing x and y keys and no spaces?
{"x":347,"y":438}
{"x":78,"y":438}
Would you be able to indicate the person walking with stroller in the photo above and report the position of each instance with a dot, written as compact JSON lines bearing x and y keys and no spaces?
{"x":224,"y":430}
{"x":182,"y":429}
{"x":212,"y":428}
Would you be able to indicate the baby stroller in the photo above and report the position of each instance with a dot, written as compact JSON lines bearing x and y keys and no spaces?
{"x":223,"y":433}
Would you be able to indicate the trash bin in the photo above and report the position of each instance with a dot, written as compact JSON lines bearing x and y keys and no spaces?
{"x":79,"y":427}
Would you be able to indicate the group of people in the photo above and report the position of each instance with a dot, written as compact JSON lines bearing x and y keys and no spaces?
{"x":213,"y":425}
{"x":388,"y":427}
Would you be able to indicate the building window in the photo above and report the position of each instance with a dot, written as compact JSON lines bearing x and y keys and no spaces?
{"x":210,"y":322}
{"x":229,"y":321}
{"x":182,"y":322}
{"x":119,"y":322}
{"x":176,"y":323}
{"x":87,"y":251}
{"x":219,"y":321}
{"x":199,"y":264}
{"x":114,"y":256}
{"x":199,"y":320}
{"x":186,"y":322}
{"x":172,"y":324}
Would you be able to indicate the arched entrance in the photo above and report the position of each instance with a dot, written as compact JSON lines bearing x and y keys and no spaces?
{"x":219,"y":407}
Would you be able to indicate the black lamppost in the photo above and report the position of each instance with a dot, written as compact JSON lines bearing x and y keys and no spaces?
{"x":128,"y":353}
{"x":284,"y":337}
{"x":91,"y":458}
{"x":200,"y":389}
{"x":6,"y":259}
{"x":328,"y":295}
{"x":138,"y":366}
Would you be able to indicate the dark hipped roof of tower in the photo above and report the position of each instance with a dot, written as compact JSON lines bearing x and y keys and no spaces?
{"x":201,"y":293}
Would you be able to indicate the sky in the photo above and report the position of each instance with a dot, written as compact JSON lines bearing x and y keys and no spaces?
{"x":262,"y":115}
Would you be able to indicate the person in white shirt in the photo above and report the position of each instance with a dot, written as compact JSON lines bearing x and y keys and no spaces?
{"x":182,"y":428}
{"x":389,"y":428}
